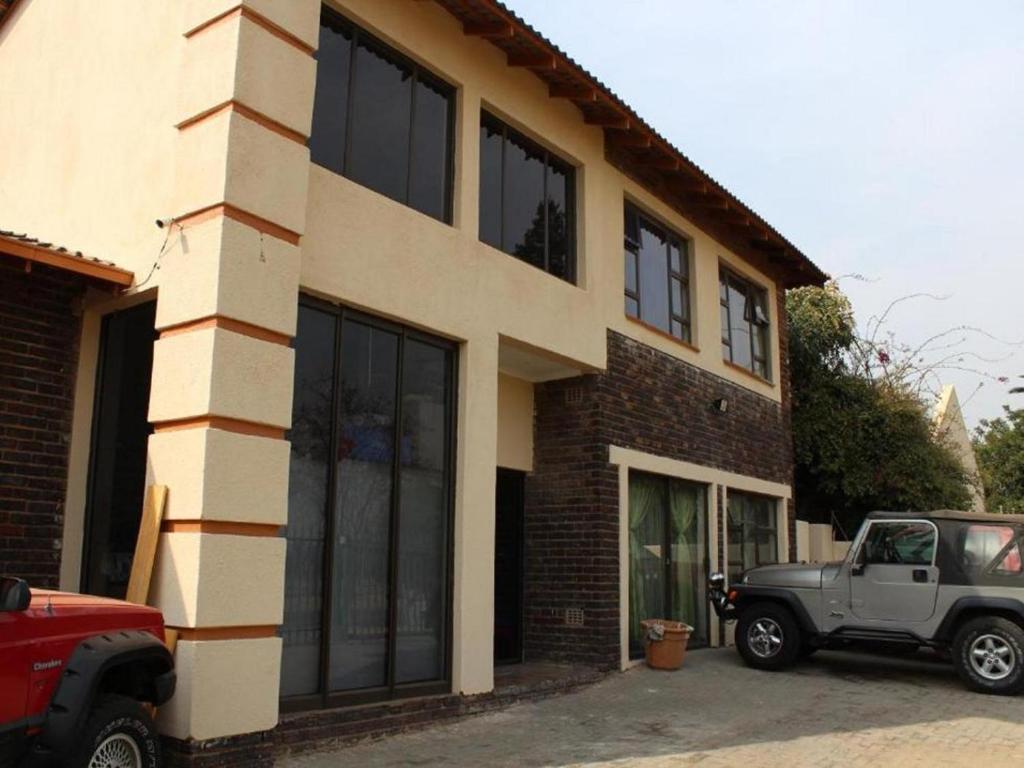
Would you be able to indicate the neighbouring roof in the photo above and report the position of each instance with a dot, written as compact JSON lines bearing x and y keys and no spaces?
{"x":35,"y":251}
{"x":635,"y":147}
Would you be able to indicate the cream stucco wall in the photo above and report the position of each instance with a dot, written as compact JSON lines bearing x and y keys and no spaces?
{"x":515,"y":423}
{"x":89,"y":160}
{"x":97,"y":160}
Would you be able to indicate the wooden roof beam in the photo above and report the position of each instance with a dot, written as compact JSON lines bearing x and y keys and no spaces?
{"x":574,"y":92}
{"x":616,"y":122}
{"x":632,"y":139}
{"x":491,"y":30}
{"x":533,"y":60}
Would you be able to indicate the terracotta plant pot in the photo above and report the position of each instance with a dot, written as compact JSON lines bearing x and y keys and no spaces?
{"x":668,"y":652}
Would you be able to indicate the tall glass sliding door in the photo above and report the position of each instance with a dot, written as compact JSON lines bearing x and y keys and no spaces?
{"x":668,"y":548}
{"x":367,"y":593}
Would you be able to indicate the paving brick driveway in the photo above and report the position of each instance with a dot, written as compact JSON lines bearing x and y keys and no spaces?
{"x":832,"y":710}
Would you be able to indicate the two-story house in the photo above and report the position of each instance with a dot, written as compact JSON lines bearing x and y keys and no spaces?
{"x":446,"y":357}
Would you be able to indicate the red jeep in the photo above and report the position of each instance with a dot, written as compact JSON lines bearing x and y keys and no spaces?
{"x":76,"y":674}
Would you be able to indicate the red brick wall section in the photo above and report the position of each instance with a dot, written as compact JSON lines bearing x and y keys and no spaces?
{"x":39,"y":331}
{"x":649,"y":401}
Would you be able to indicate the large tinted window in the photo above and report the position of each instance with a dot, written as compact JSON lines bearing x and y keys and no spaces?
{"x":367,"y":595}
{"x":657,"y":275}
{"x":526,"y":200}
{"x":381,"y":120}
{"x":745,"y":323}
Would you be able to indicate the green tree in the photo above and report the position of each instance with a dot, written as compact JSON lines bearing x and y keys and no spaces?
{"x":999,"y":449}
{"x":861,"y":442}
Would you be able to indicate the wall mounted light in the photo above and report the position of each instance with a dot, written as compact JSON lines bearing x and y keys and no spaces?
{"x":720,"y":404}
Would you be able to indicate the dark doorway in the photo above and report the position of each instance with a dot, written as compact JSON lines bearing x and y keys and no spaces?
{"x":120,"y":430}
{"x":508,"y":567}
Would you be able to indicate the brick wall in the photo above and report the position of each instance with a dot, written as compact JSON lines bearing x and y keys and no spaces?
{"x":651,"y":402}
{"x":38,"y":351}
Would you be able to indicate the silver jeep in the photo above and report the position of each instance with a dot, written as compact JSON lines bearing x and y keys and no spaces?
{"x":950,"y":581}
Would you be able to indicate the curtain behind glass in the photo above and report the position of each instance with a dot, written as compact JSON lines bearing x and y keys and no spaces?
{"x":646,"y":558}
{"x":686,"y":505}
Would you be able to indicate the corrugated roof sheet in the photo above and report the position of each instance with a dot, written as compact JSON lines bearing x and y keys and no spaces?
{"x":21,"y":245}
{"x":645,"y":153}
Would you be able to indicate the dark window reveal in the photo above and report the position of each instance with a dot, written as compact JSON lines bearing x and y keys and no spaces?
{"x":745,"y":323}
{"x":657,"y":275}
{"x":526,"y":200}
{"x":381,"y":120}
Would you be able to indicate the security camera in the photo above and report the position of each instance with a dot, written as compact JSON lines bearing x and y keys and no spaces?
{"x":161,"y":223}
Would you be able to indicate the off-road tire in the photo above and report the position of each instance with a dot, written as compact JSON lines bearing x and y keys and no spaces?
{"x":972,"y":639}
{"x":117,"y":717}
{"x":756,"y":625}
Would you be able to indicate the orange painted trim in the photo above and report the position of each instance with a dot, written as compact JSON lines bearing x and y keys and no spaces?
{"x":225,"y":633}
{"x":747,"y":372}
{"x":228,"y":324}
{"x":223,"y":423}
{"x":224,"y":527}
{"x":250,"y":114}
{"x":243,"y":217}
{"x":256,"y":18}
{"x":66,"y":261}
{"x":658,"y":332}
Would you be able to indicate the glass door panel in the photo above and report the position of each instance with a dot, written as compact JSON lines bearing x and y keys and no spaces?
{"x":365,"y":477}
{"x":668,"y":547}
{"x":423,"y":515}
{"x":647,"y":555}
{"x":309,"y":470}
{"x":368,"y":588}
{"x":688,"y":537}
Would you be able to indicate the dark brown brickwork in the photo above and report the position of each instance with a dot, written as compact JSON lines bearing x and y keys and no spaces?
{"x":39,"y":330}
{"x":651,"y":402}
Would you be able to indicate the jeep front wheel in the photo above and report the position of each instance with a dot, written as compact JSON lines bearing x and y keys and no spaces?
{"x":988,"y":653}
{"x":767,"y":636}
{"x":118,"y":734}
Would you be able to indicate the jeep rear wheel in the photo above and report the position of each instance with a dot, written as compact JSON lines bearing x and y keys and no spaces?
{"x":767,"y":636}
{"x":988,"y":653}
{"x":118,"y":734}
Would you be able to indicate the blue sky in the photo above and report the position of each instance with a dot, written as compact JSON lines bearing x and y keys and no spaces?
{"x":884,"y":139}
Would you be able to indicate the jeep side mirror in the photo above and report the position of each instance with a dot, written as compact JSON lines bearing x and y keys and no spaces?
{"x":14,"y":594}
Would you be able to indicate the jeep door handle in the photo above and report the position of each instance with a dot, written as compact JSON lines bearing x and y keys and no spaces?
{"x":920,"y":576}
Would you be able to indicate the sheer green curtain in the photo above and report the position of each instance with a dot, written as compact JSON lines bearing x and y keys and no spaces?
{"x":646,"y":558}
{"x":686,"y":503}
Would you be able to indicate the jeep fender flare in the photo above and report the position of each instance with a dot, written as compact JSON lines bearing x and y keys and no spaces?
{"x":750,"y":593}
{"x":976,"y":603}
{"x":79,"y":686}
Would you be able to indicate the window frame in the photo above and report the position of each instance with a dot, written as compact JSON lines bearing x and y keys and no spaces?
{"x":417,"y":73}
{"x":685,"y":277}
{"x":327,"y":698}
{"x":776,"y":528}
{"x":858,"y":558}
{"x":752,"y":290}
{"x":551,"y":159}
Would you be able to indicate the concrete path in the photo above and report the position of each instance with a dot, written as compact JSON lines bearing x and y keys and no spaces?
{"x":832,"y":710}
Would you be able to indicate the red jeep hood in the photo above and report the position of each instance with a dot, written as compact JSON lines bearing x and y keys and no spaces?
{"x":43,"y":597}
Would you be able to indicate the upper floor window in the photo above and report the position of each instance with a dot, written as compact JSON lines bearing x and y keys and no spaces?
{"x":657,"y":275}
{"x":745,"y":323}
{"x":382,"y":120}
{"x":526,"y":200}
